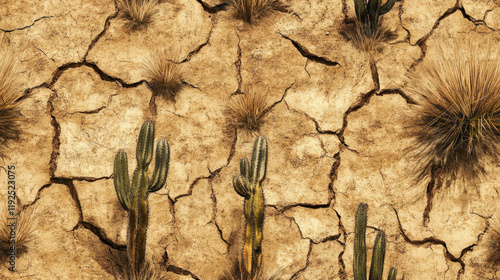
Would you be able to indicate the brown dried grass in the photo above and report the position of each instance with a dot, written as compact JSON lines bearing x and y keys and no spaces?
{"x":238,"y":273}
{"x":492,"y":241}
{"x":458,"y":123}
{"x":9,"y":94}
{"x":123,"y":270}
{"x":250,"y":10}
{"x":25,"y":231}
{"x":138,"y":12}
{"x":364,"y":40}
{"x":248,"y":110}
{"x":164,"y":72}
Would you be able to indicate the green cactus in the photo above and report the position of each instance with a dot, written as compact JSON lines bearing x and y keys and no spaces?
{"x":248,"y":184}
{"x":133,"y":197}
{"x":359,"y":263}
{"x":368,"y":13}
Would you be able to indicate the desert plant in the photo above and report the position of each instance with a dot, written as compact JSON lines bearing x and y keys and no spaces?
{"x":9,"y":95}
{"x":138,"y":12}
{"x":25,"y":230}
{"x":134,"y":196}
{"x":491,"y":244}
{"x":458,"y":111}
{"x":366,"y":31}
{"x":164,"y":73}
{"x":248,"y":110}
{"x":249,"y":185}
{"x":236,"y":273}
{"x":126,"y":272}
{"x":368,"y":13}
{"x":250,"y":10}
{"x":378,"y":256}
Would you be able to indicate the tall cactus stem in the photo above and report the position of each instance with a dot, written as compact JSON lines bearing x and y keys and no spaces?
{"x":134,"y":196}
{"x":378,"y":256}
{"x":359,"y":262}
{"x":248,"y":185}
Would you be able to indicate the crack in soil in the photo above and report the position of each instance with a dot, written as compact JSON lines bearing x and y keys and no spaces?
{"x":432,"y":186}
{"x":421,"y":43}
{"x":473,"y":20}
{"x":213,"y":220}
{"x":213,"y":9}
{"x":25,"y":27}
{"x":307,"y":259}
{"x":200,"y":47}
{"x":342,"y":272}
{"x":433,"y":241}
{"x":56,"y":142}
{"x":307,"y":54}
{"x":106,"y":26}
{"x":237,"y":63}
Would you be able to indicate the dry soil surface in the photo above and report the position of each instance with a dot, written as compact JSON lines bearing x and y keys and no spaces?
{"x":337,"y":137}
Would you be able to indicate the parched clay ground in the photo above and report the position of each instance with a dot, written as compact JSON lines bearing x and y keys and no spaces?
{"x":337,"y":137}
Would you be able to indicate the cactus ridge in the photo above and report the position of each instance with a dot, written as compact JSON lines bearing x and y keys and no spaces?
{"x":133,"y":196}
{"x":248,"y":185}
{"x":378,"y":256}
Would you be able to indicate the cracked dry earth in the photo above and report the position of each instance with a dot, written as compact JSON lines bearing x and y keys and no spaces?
{"x":337,"y":137}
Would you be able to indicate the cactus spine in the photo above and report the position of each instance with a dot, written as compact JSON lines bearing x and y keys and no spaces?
{"x":249,"y":185}
{"x":368,"y":13}
{"x":359,"y":263}
{"x":134,"y":196}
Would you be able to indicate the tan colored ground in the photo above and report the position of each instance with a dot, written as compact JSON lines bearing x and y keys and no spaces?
{"x":336,"y":134}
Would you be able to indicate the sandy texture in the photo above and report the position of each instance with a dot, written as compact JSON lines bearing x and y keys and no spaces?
{"x":338,"y":135}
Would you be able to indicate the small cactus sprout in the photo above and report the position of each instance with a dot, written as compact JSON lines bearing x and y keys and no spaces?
{"x":378,"y":256}
{"x":366,"y":31}
{"x":249,"y":185}
{"x":133,"y":196}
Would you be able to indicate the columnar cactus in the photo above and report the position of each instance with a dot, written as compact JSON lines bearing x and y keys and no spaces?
{"x":359,"y":263}
{"x":368,"y":13}
{"x":133,"y":197}
{"x":248,"y":184}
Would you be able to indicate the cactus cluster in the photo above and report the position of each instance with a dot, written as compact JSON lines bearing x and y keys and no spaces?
{"x":249,"y":185}
{"x":359,"y":263}
{"x":368,"y":13}
{"x":133,"y":195}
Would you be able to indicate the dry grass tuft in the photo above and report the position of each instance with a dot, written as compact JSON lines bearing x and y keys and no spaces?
{"x":125,"y":270}
{"x":139,"y":12}
{"x":250,"y":10}
{"x":237,"y":273}
{"x":492,"y":241}
{"x":25,"y":231}
{"x":365,"y":40}
{"x":164,"y":73}
{"x":248,"y":110}
{"x":459,"y":110}
{"x":9,"y":94}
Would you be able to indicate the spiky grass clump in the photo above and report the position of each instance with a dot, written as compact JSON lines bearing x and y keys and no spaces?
{"x":250,"y":10}
{"x":458,"y":123}
{"x":123,"y":270}
{"x":492,"y":242}
{"x":25,"y":231}
{"x":9,"y":94}
{"x":364,"y":39}
{"x":164,"y":72}
{"x":237,"y":272}
{"x":138,"y":12}
{"x":248,"y":110}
